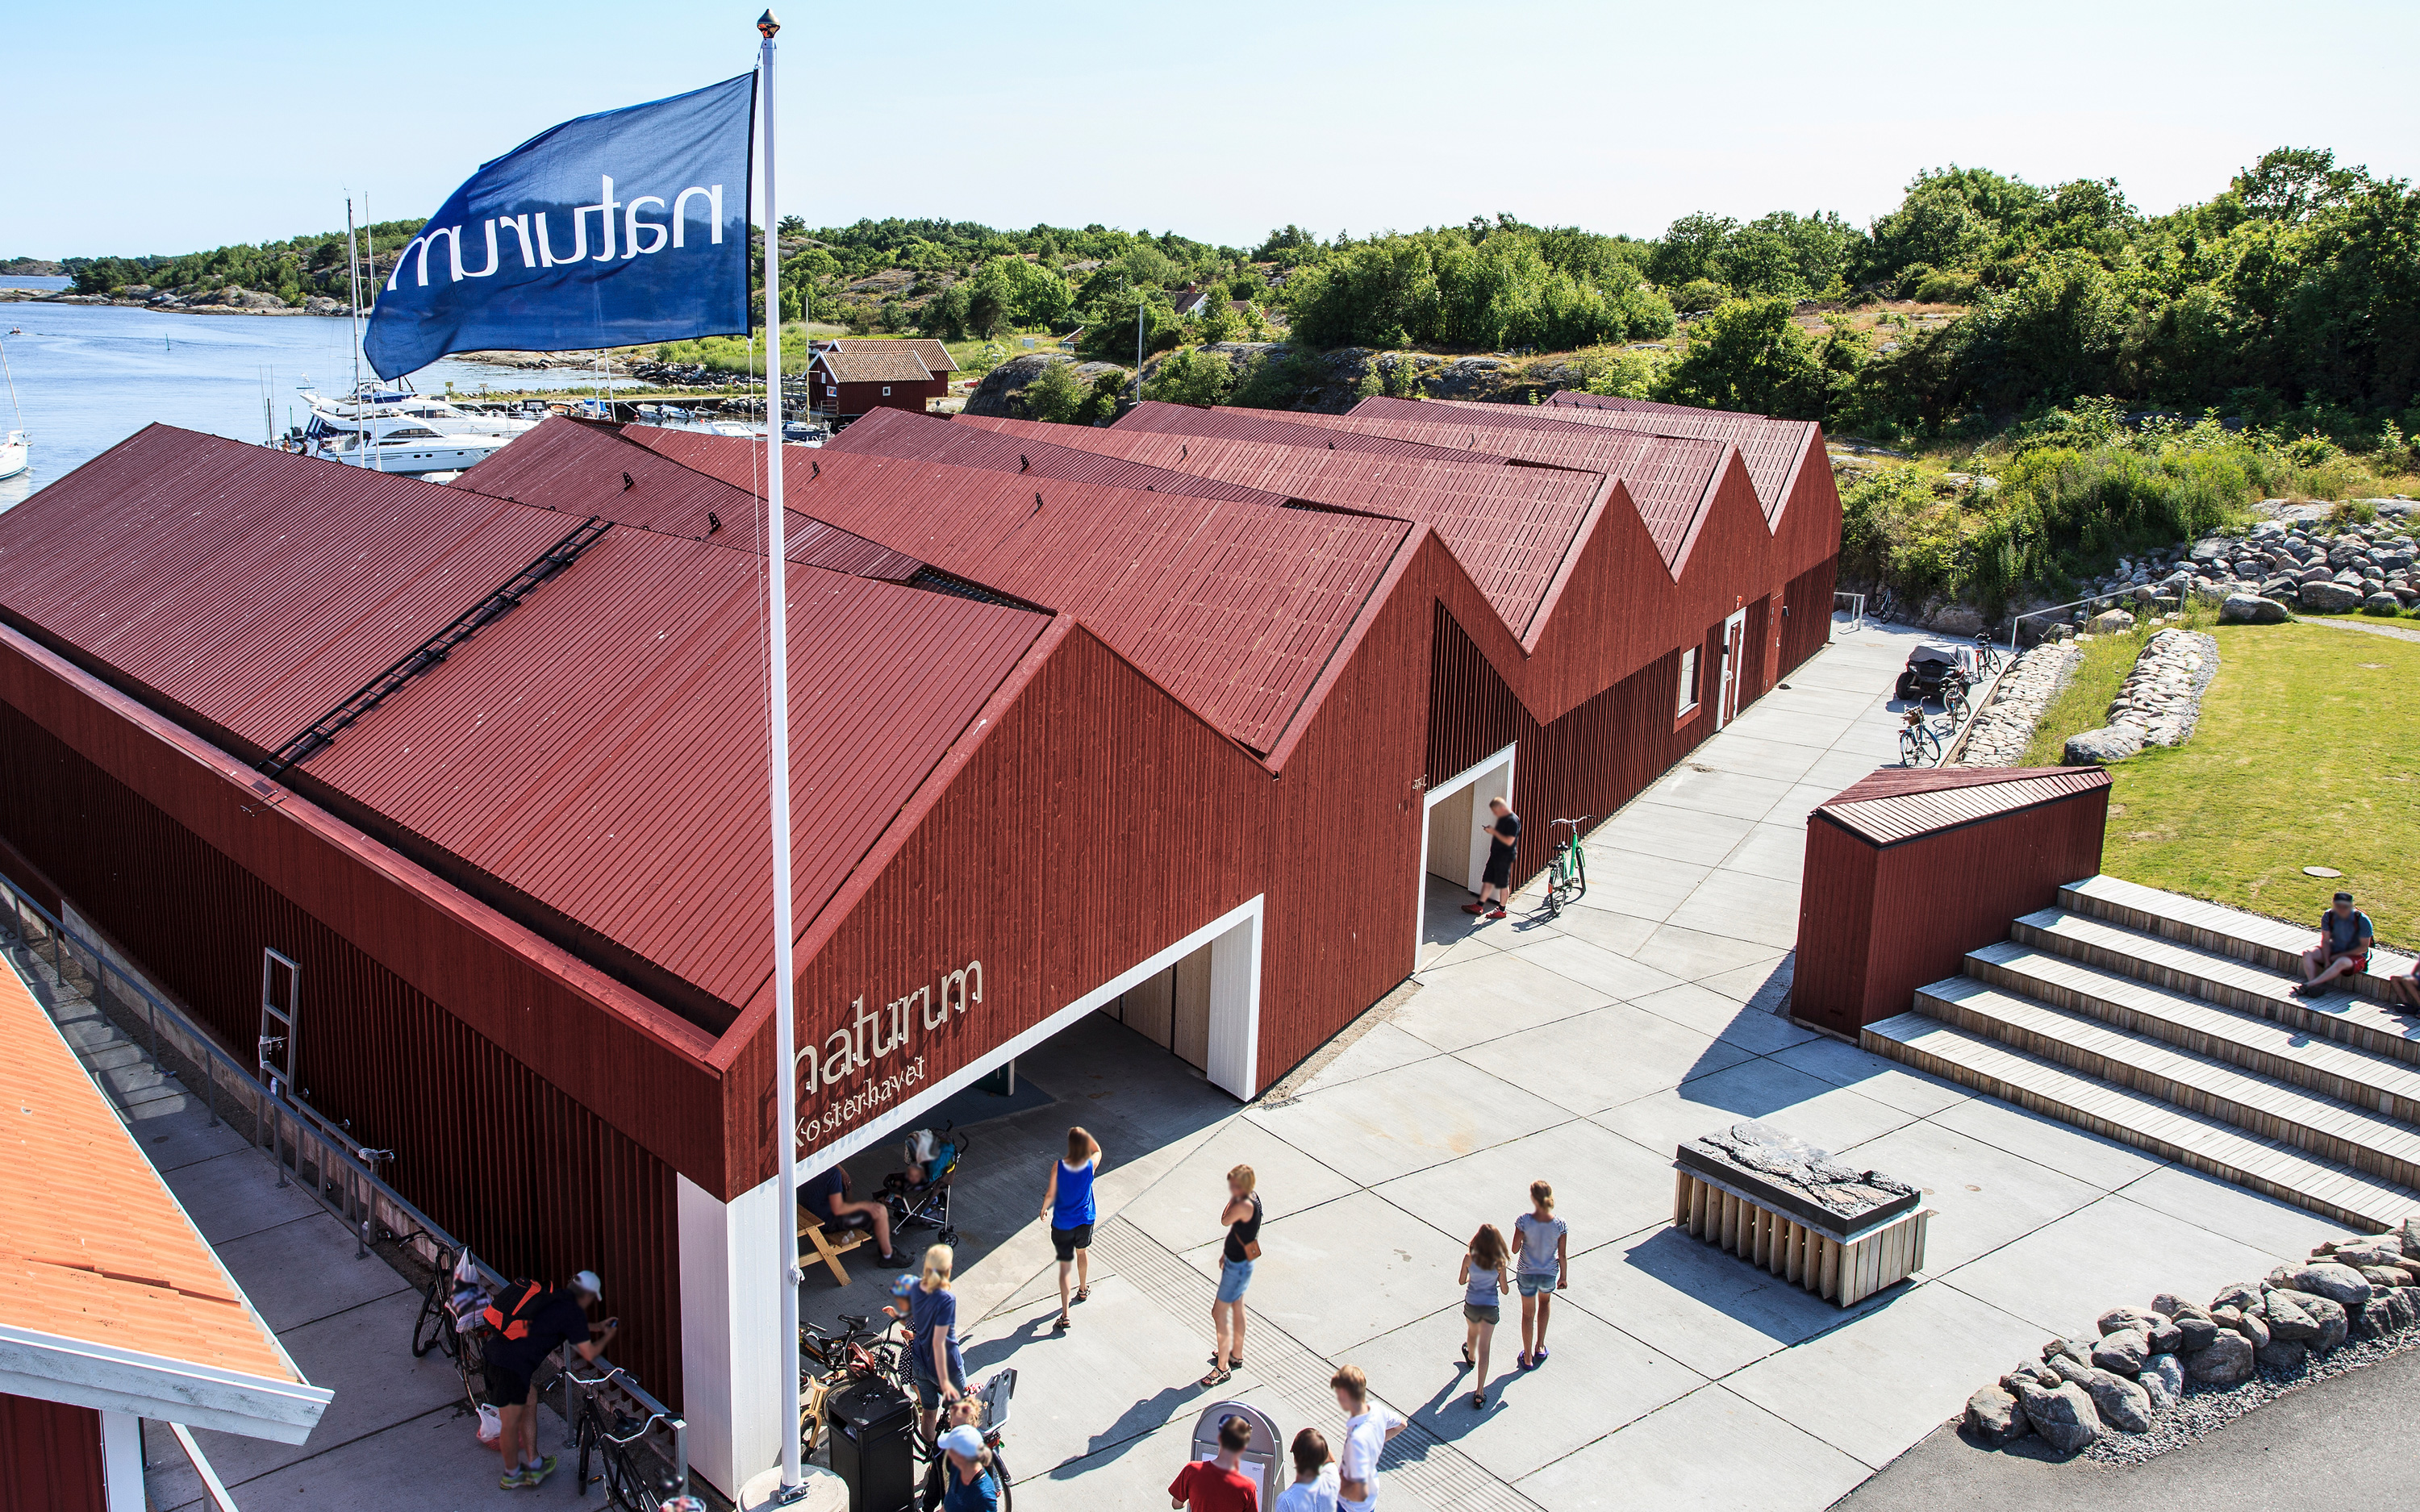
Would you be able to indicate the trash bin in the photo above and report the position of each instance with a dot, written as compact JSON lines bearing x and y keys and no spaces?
{"x":1262,"y":1458}
{"x":873,"y":1446}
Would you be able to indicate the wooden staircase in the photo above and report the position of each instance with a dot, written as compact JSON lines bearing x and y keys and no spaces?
{"x":2168,"y":1023}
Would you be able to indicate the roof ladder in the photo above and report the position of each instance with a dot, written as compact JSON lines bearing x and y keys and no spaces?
{"x":495,"y":606}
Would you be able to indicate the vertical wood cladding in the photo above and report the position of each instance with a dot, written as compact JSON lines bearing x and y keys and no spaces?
{"x":536,"y":1184}
{"x":1874,"y":924}
{"x":1808,"y":625}
{"x":50,"y":1457}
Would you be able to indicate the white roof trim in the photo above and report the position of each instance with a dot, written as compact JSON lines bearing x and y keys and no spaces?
{"x":59,"y":1370}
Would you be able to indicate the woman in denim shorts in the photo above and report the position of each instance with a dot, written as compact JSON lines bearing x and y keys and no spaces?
{"x":1242,"y":1217}
{"x":1544,"y":1242}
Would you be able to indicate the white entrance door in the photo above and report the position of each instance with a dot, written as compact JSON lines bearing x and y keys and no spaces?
{"x":1734,"y":659}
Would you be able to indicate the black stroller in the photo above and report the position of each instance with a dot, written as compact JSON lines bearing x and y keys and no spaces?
{"x":1936,"y":673}
{"x":918,"y":1197}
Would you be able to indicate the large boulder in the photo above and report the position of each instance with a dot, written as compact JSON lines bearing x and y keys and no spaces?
{"x":2334,"y":1323}
{"x":2283,"y":1355}
{"x":2162,"y":1379}
{"x":2405,"y":1305}
{"x":2071,"y":1371}
{"x":2166,"y":1338}
{"x":1997,"y":1416}
{"x":2384,"y":1278}
{"x":2408,"y":1235}
{"x":2195,"y":1333}
{"x":2363,"y":1252}
{"x":2228,"y":1360}
{"x":2252,"y":1326}
{"x":2118,"y":1320}
{"x":2123,"y":1351}
{"x":2329,"y":597}
{"x":2099,"y":747}
{"x":2122,"y":1404}
{"x":2079,"y":1350}
{"x":2168,"y":1305}
{"x":2339,"y":1283}
{"x":2033,"y":1370}
{"x":2377,"y":1317}
{"x":2382,"y":602}
{"x":2239,"y":608}
{"x":2066,"y":1418}
{"x":2288,"y":1320}
{"x":2111,"y":621}
{"x":2242,"y":1296}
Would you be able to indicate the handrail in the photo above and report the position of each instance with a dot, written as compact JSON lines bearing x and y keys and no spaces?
{"x":211,"y":1482}
{"x":276,"y":1111}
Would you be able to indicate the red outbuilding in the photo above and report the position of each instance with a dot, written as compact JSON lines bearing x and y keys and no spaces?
{"x":856,"y":376}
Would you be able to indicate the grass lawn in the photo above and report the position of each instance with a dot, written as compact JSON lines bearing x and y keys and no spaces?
{"x":2307,"y":754}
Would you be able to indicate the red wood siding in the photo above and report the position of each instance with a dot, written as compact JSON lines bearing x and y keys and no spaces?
{"x":1874,"y":924}
{"x":50,"y":1457}
{"x":861,"y":398}
{"x":1807,"y":627}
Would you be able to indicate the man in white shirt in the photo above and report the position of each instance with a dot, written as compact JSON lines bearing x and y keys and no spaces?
{"x":1367,"y":1426}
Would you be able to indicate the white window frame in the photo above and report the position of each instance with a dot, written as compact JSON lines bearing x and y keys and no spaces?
{"x":886,"y":391}
{"x":1692,"y":692}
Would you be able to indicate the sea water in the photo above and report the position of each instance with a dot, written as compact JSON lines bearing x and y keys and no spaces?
{"x":89,"y":376}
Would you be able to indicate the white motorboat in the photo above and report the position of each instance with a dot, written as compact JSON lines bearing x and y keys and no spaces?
{"x":14,"y":458}
{"x":396,"y":430}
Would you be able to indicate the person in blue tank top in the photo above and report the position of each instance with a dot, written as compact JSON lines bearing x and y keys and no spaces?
{"x":1067,"y":1207}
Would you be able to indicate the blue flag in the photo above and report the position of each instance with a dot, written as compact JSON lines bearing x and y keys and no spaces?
{"x":622,"y":227}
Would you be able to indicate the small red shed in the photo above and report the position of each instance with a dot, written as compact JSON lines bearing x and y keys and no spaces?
{"x":1910,"y":869}
{"x":854,"y":377}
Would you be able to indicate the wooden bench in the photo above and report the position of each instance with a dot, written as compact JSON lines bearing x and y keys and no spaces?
{"x":831,"y":1242}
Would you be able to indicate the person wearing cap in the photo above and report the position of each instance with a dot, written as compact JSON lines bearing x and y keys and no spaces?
{"x":534,"y":1326}
{"x":1218,"y":1485}
{"x":2345,"y":939}
{"x":969,"y":1485}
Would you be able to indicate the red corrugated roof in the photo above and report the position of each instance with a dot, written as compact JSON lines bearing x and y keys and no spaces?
{"x":1233,"y":608}
{"x":1672,"y":480}
{"x":1770,"y":448}
{"x":1614,"y":401}
{"x":1284,"y":428}
{"x":1510,"y":527}
{"x":581,"y":467}
{"x":1897,"y":804}
{"x":254,"y":589}
{"x":932,"y":439}
{"x":601,"y":750}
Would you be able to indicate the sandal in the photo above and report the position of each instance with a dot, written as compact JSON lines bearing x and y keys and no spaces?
{"x":1465,"y":1355}
{"x":1479,"y":1400}
{"x":1235,"y":1361}
{"x":1061,"y":1323}
{"x":1082,"y":1292}
{"x":1525,"y":1361}
{"x":1216,"y":1378}
{"x":1539,"y":1357}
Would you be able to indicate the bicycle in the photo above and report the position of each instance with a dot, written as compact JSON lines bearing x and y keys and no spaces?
{"x":1987,"y":654}
{"x":450,"y":1322}
{"x":636,"y":1480}
{"x":1915,"y":737}
{"x":1566,"y":864}
{"x":1953,"y":701}
{"x":855,"y":1353}
{"x":993,"y":1397}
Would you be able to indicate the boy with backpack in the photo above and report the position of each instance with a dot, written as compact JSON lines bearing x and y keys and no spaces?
{"x":529,"y":1324}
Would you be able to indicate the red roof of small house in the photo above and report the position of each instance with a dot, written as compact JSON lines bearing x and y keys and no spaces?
{"x":1897,"y":804}
{"x":874,"y":367}
{"x":928,"y":349}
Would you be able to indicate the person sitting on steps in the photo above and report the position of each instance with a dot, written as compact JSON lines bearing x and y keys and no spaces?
{"x":2345,"y":939}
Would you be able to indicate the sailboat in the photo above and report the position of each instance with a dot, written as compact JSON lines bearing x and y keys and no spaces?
{"x":16,"y":447}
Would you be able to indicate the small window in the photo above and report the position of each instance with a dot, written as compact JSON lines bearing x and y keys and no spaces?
{"x":1689,"y":680}
{"x":886,"y":391}
{"x":831,"y":391}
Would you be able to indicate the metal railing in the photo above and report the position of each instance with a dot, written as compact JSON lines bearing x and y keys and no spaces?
{"x":1856,"y":607}
{"x":293,"y":1135}
{"x":2116,"y":598}
{"x":211,"y":1482}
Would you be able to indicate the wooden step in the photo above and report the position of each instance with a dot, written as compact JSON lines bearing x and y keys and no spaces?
{"x":2227,"y":981}
{"x":2382,"y":1083}
{"x":2148,"y":1123}
{"x":2268,"y":944}
{"x":2261,"y":1106}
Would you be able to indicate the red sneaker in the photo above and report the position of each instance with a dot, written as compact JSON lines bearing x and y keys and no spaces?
{"x":1474,"y":908}
{"x":1495,"y":912}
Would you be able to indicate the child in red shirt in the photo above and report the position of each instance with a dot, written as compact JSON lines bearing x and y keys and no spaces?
{"x":1218,"y":1485}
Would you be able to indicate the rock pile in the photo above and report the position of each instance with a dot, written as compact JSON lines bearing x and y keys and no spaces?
{"x":2000,"y":734}
{"x":2147,"y":1361}
{"x":2302,"y":564}
{"x":2159,"y":702}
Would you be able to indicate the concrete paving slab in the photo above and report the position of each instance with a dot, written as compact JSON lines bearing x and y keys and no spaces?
{"x":1450,"y":953}
{"x":1346,"y":1272}
{"x":1873,"y":1387}
{"x":1660,"y":831}
{"x":2130,"y":1251}
{"x":1663,"y":1461}
{"x":434,"y":1461}
{"x":1792,"y":727}
{"x":1134,"y":1472}
{"x":178,"y":1132}
{"x":1808,"y":1107}
{"x":1742,"y":905}
{"x":373,"y":1389}
{"x":1884,"y":1081}
{"x":1596,"y":1379}
{"x":1605,"y":974}
{"x":1381,"y":1047}
{"x":236,"y":1194}
{"x":1777,"y":848}
{"x":1460,"y":1004}
{"x":1709,"y":790}
{"x":1842,"y":768}
{"x":301,"y":1272}
{"x":1834,"y":668}
{"x":1981,"y":1195}
{"x":2235,"y":1211}
{"x":1619,"y":932}
{"x":1689,"y":954}
{"x":1715,"y":1313}
{"x":2061,"y":1147}
{"x":1181,"y":1209}
{"x":1408,"y":1119}
{"x":1606,"y":1187}
{"x":1814,"y":698}
{"x":1755,"y":757}
{"x":1604,"y":1058}
{"x":1795,"y":805}
{"x":1704,"y":1007}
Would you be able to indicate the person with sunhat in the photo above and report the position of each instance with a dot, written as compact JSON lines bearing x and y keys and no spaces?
{"x":2345,"y":938}
{"x":970,"y":1483}
{"x":529,"y":1324}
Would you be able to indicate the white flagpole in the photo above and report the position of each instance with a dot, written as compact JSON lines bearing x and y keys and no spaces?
{"x":785,"y":1034}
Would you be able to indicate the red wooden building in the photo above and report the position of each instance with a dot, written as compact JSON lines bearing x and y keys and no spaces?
{"x":489,"y":759}
{"x":854,"y":376}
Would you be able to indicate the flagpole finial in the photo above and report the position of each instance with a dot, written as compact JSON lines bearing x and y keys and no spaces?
{"x":768,"y":25}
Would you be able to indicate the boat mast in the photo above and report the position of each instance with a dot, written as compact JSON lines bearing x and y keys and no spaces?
{"x":369,"y":256}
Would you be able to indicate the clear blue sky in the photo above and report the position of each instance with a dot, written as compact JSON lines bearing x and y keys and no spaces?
{"x":151,"y":127}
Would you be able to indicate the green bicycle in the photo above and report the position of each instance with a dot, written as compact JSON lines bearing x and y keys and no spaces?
{"x":1567,"y":866}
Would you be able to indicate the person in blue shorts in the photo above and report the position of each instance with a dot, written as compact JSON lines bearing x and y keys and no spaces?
{"x":1242,"y":1217}
{"x":1067,"y":1204}
{"x":1543,"y":1242}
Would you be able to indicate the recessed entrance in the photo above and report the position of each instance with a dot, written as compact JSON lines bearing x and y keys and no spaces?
{"x":1453,"y":840}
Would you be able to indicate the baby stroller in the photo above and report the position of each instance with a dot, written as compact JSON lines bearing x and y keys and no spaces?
{"x":932,"y":1155}
{"x":1936,"y":673}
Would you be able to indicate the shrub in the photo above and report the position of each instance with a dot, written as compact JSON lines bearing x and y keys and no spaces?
{"x":1949,"y":286}
{"x":1191,"y":376}
{"x":1698,"y":294}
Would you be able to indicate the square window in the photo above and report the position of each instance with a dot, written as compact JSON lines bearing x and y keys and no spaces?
{"x":886,"y":391}
{"x":1689,"y":679}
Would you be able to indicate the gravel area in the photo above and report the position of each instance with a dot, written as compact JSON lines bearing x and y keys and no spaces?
{"x":2205,"y":1409}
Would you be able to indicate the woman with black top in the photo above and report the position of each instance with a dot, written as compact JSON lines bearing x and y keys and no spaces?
{"x":1242,"y":1217}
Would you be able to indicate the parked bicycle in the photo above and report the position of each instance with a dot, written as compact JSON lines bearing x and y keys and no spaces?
{"x":1954,"y":702}
{"x":1916,"y":737}
{"x":1566,"y":864}
{"x":1987,"y":654}
{"x":991,"y":1399}
{"x":635,"y":1477}
{"x":450,"y":1322}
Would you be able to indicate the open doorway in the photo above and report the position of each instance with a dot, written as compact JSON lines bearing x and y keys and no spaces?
{"x":1734,"y":667}
{"x":1454,"y":839}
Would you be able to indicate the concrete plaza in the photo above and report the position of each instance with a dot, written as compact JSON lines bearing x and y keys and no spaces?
{"x":1583,"y":1048}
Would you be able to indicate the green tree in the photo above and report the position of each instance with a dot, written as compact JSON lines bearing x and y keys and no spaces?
{"x":1748,"y":355}
{"x":1191,"y":376}
{"x":1054,"y":393}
